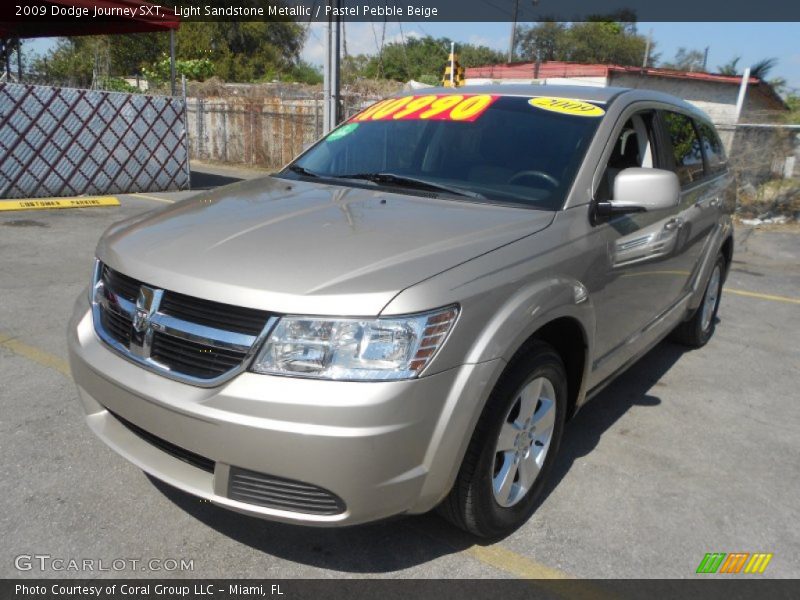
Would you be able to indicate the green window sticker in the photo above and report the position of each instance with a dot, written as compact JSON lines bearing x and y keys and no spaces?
{"x":341,"y":132}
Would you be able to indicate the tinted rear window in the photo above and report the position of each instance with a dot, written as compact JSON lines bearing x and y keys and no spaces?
{"x":712,"y":146}
{"x":686,"y":152}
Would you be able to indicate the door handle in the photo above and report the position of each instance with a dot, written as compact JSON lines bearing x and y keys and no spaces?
{"x":673,"y":224}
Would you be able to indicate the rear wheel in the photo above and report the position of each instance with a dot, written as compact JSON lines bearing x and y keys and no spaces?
{"x":513,"y":448}
{"x":700,"y":327}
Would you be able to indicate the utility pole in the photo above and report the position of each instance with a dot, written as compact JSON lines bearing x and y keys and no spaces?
{"x":742,"y":93}
{"x":326,"y":80}
{"x":6,"y":47}
{"x":19,"y":60}
{"x":331,"y":75}
{"x":336,"y":63}
{"x":647,"y":49}
{"x":172,"y":61}
{"x":513,"y":39}
{"x":705,"y":57}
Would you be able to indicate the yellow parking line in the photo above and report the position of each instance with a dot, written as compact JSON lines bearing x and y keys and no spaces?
{"x":763,"y":296}
{"x":38,"y":356}
{"x":51,"y":203}
{"x":523,"y":567}
{"x":156,"y":198}
{"x":513,"y":563}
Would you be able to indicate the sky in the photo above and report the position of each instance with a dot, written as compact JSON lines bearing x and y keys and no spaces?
{"x":751,"y":41}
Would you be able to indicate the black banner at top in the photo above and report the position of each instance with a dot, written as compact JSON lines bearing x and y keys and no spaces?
{"x":44,"y":11}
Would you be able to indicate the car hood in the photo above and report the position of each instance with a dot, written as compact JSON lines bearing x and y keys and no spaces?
{"x":301,"y":247}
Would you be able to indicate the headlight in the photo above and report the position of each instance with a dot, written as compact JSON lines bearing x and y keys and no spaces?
{"x":354,"y":349}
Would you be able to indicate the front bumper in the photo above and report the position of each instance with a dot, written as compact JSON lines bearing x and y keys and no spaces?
{"x":384,"y":448}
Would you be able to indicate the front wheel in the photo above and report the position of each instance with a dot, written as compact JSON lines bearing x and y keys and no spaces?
{"x":513,"y":448}
{"x":696,"y":332}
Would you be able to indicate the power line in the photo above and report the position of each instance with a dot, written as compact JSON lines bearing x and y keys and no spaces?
{"x":379,"y":48}
{"x":405,"y":54}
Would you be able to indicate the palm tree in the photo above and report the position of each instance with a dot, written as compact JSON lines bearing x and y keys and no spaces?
{"x":762,"y":68}
{"x":730,"y":67}
{"x":759,"y":70}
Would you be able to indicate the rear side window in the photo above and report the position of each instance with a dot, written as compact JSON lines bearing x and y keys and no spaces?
{"x":686,"y":151}
{"x":712,"y":147}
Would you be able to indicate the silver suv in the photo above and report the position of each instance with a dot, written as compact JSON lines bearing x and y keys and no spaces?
{"x":406,"y":316}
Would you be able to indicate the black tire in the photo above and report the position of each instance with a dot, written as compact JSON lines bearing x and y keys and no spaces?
{"x":692,"y":332}
{"x":471,"y":504}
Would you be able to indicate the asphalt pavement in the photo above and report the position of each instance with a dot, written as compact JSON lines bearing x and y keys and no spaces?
{"x":686,"y":453}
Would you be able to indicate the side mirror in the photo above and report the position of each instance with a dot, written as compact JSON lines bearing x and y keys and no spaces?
{"x":639,"y":190}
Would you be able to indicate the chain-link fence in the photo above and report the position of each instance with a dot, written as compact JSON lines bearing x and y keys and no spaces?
{"x":765,"y":158}
{"x":59,"y":141}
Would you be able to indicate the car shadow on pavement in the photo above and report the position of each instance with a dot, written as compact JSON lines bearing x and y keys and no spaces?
{"x":635,"y":387}
{"x":406,"y":542}
{"x":203,"y":180}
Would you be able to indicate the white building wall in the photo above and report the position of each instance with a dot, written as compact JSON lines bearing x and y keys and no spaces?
{"x":717,"y":100}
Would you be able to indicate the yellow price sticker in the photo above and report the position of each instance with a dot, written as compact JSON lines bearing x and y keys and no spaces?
{"x":567,"y":106}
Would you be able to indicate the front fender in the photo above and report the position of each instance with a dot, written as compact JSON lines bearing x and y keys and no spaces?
{"x":528,"y":310}
{"x":508,"y":328}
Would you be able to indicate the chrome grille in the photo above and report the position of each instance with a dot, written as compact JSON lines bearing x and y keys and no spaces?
{"x":117,"y":326}
{"x":213,"y":314}
{"x":282,"y":494}
{"x":198,"y":360}
{"x":120,"y":284}
{"x":182,"y":337}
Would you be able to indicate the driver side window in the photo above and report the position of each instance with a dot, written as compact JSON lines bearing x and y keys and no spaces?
{"x":634,"y":147}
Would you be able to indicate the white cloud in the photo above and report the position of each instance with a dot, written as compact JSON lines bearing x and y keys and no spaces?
{"x":480,"y":40}
{"x":362,"y":38}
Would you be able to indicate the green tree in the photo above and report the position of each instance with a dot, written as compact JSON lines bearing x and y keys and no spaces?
{"x":543,"y":41}
{"x":686,"y":60}
{"x":195,"y":69}
{"x":731,"y":67}
{"x":792,"y":100}
{"x":425,"y":58}
{"x":470,"y":55}
{"x":353,"y":67}
{"x":236,"y":51}
{"x":611,"y":39}
{"x":760,"y":70}
{"x":73,"y":61}
{"x":763,"y":67}
{"x":243,"y":50}
{"x":605,"y":42}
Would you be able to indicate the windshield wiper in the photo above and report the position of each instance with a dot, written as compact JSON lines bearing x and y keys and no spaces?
{"x":302,"y":171}
{"x":411,"y":182}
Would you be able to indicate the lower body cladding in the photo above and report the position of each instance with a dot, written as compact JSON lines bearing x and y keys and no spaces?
{"x":289,"y":449}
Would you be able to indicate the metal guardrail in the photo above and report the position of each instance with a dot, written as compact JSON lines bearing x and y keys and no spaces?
{"x":69,"y":142}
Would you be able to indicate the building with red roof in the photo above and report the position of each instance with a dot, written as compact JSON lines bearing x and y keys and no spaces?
{"x":713,"y":93}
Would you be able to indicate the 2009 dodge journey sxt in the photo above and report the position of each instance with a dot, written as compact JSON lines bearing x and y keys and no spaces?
{"x":406,"y":316}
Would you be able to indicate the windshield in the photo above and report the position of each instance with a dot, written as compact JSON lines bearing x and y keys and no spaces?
{"x":485,"y":147}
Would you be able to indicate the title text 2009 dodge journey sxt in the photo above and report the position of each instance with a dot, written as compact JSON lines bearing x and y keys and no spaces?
{"x":406,"y":316}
